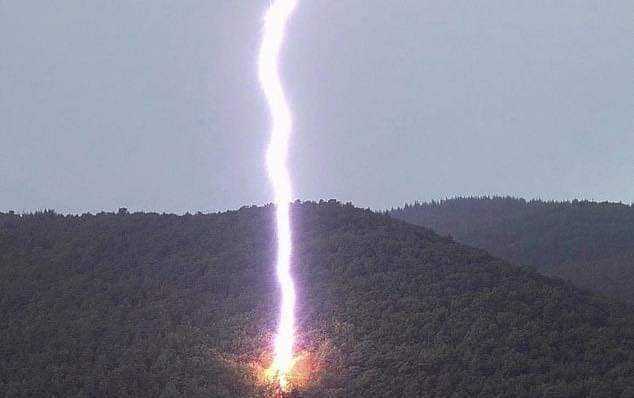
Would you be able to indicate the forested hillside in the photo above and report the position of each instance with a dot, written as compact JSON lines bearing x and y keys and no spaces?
{"x":591,"y":244}
{"x":160,"y":305}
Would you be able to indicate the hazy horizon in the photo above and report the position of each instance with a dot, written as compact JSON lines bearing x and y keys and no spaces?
{"x":155,"y":106}
{"x":396,"y":206}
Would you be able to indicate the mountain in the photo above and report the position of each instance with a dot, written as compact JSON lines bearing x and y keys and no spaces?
{"x":162,"y":305}
{"x":591,"y":244}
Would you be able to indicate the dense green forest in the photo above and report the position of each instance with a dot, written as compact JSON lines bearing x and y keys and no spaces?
{"x":157,"y":305}
{"x":591,"y":244}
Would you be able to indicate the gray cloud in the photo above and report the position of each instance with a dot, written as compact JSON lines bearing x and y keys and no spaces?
{"x":155,"y":104}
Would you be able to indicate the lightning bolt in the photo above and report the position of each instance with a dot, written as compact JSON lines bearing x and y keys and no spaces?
{"x":275,"y":21}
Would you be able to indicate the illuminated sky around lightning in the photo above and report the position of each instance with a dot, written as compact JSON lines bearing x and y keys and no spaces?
{"x":154,"y":104}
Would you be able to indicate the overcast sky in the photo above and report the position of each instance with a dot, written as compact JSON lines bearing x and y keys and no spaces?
{"x":155,"y":105}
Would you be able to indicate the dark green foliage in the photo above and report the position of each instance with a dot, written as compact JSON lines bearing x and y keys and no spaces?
{"x":591,"y":244}
{"x":161,"y":305}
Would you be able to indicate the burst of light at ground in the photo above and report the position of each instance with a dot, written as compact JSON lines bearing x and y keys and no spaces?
{"x":272,"y":39}
{"x":305,"y":369}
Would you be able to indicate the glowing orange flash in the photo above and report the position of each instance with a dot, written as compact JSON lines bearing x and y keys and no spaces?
{"x":272,"y":39}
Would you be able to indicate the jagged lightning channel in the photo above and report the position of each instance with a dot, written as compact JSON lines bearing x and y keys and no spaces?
{"x":272,"y":38}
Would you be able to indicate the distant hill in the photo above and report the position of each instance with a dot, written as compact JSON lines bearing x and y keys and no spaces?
{"x":162,"y":305}
{"x":591,"y":244}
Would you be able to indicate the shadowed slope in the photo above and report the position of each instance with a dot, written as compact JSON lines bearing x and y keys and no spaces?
{"x":591,"y":244}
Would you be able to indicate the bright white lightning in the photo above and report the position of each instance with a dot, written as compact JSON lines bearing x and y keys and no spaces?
{"x":272,"y":39}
